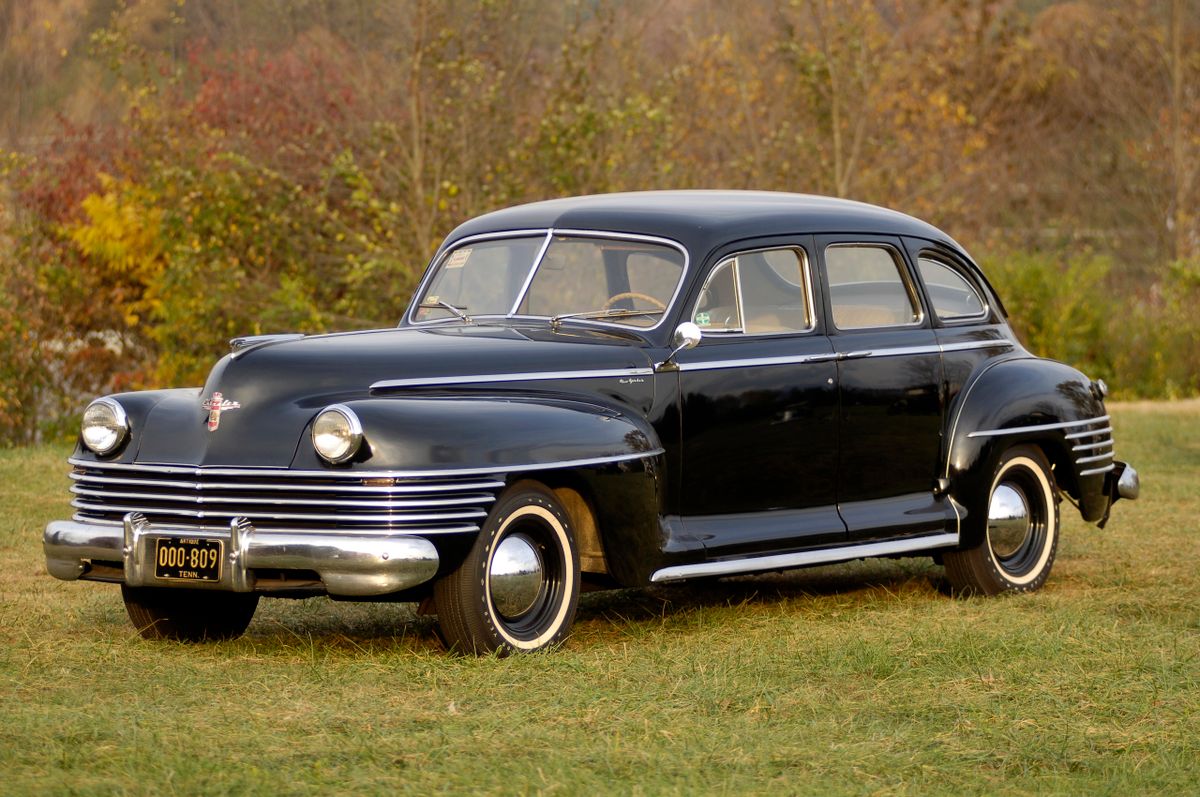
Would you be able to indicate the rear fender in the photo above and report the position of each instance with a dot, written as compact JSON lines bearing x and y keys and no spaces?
{"x":1012,"y":402}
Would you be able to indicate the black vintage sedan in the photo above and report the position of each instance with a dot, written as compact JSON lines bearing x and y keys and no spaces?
{"x":605,"y":391}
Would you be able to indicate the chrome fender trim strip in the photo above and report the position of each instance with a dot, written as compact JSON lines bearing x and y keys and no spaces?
{"x":530,"y":376}
{"x":758,"y":564}
{"x":1041,"y":427}
{"x":284,"y":473}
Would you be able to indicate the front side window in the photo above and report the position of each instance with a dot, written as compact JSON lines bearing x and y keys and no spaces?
{"x":868,"y":287}
{"x":609,"y":279}
{"x":952,"y":296}
{"x":759,"y":293}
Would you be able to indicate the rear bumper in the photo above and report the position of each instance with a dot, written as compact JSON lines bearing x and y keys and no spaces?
{"x":346,"y":564}
{"x":1124,"y":482}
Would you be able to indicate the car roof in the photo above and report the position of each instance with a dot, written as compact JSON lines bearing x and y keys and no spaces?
{"x":701,"y":220}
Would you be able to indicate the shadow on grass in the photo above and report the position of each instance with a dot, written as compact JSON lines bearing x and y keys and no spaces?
{"x":853,"y":580}
{"x":372,"y":627}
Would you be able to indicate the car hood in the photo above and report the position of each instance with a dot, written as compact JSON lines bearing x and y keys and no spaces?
{"x":279,"y":386}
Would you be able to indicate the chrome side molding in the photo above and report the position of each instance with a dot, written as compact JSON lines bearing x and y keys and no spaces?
{"x":784,"y":561}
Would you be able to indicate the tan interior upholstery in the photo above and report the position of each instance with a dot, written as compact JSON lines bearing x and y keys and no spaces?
{"x":847,"y":316}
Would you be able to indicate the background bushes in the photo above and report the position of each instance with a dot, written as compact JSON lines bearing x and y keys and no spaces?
{"x":178,"y":173}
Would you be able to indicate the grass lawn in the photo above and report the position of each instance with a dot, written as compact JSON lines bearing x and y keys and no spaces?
{"x":863,"y":678}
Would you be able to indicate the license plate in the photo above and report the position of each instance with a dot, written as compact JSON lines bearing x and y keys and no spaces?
{"x":188,"y":559}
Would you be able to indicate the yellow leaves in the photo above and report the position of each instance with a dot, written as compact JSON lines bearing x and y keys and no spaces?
{"x":122,"y":232}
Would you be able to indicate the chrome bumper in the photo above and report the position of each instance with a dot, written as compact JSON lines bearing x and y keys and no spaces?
{"x":347,"y":564}
{"x":1127,"y":484}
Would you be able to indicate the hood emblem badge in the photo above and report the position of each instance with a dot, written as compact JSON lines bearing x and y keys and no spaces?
{"x":215,"y":406}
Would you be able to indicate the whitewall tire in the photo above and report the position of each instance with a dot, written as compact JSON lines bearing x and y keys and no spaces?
{"x":1022,"y":527}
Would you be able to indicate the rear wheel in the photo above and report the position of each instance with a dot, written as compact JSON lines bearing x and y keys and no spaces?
{"x":518,"y":588}
{"x":188,"y":615}
{"x":1021,"y":539}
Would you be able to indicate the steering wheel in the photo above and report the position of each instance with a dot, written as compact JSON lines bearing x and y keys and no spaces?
{"x":633,"y":295}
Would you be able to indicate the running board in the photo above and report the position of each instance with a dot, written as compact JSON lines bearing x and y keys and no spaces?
{"x":783,"y":561}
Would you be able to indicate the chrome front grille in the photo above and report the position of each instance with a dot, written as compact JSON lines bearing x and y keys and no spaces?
{"x":280,"y":499}
{"x":1092,"y":446}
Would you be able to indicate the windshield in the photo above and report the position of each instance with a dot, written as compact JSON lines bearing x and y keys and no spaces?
{"x":616,"y":280}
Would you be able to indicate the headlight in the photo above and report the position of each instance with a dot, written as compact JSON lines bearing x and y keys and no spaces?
{"x":105,"y":426}
{"x":337,"y":433}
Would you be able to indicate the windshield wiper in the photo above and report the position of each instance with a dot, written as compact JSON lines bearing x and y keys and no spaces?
{"x":441,"y":304}
{"x":599,"y":315}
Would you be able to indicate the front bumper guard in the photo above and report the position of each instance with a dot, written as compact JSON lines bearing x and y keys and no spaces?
{"x":348,"y":564}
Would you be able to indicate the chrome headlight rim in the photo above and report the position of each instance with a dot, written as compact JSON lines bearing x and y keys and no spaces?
{"x":354,"y":434}
{"x":120,"y":421}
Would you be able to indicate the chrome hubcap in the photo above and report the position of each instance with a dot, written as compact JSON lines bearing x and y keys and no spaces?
{"x":1008,"y":520}
{"x":516,"y":576}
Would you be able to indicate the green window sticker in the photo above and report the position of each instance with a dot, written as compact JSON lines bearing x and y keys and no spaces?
{"x":703,"y":319}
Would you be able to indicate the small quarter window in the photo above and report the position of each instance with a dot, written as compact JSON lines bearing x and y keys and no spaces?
{"x":867,"y":287}
{"x":952,"y":296}
{"x":759,"y":293}
{"x":717,"y":310}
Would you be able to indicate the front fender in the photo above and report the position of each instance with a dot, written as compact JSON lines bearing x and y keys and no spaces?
{"x":138,"y":406}
{"x":1023,"y":400}
{"x":499,"y":434}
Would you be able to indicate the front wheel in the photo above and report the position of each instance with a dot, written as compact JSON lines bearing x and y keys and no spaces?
{"x":1018,"y":550}
{"x":518,"y":588}
{"x":188,"y":615}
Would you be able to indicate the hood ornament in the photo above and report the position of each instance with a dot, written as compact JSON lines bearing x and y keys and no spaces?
{"x":215,"y":406}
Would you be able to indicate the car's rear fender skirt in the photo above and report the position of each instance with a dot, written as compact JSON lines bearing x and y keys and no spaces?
{"x":1027,"y":400}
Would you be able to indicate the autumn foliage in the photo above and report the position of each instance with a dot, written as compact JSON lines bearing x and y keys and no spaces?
{"x":209,"y":168}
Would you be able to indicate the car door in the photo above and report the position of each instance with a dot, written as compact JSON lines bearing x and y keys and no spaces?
{"x":758,"y":395}
{"x":890,"y":378}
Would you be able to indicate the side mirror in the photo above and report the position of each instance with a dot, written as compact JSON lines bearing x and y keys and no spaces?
{"x":687,"y":336}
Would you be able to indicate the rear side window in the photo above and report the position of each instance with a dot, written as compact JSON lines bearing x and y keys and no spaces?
{"x":952,"y":296}
{"x":868,"y":287}
{"x":759,"y":293}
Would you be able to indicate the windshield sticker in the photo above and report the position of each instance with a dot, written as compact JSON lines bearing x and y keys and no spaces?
{"x":703,"y":319}
{"x":458,"y":259}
